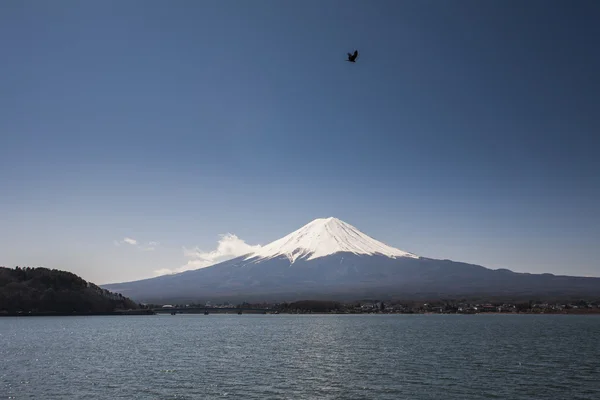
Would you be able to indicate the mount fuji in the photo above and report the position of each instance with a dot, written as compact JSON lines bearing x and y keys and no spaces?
{"x":324,"y":237}
{"x":328,"y":258}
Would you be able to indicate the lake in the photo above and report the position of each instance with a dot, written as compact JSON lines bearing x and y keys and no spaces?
{"x":301,"y":357}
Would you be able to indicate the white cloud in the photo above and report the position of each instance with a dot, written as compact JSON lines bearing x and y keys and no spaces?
{"x":163,"y":271}
{"x":150,"y":246}
{"x":130,"y":241}
{"x":229,"y":246}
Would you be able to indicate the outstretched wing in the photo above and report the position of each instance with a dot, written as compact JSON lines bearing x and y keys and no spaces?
{"x":352,"y":56}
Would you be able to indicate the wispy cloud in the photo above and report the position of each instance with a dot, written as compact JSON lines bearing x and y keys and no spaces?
{"x":229,"y":246}
{"x":150,"y":246}
{"x":163,"y":271}
{"x":130,"y":241}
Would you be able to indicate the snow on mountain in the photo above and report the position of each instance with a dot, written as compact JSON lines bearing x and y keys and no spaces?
{"x":323,"y":237}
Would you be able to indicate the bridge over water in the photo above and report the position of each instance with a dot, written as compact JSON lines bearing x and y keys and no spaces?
{"x":210,"y":310}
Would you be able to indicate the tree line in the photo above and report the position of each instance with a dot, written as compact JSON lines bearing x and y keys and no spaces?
{"x":43,"y":290}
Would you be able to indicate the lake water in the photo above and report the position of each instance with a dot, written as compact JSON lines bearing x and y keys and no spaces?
{"x":301,"y":357}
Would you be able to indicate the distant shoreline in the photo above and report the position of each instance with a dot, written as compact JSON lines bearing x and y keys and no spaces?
{"x":314,"y":313}
{"x":595,"y":312}
{"x":64,"y":314}
{"x":215,"y":312}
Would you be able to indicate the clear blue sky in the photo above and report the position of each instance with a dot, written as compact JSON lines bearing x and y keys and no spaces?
{"x":468,"y":130}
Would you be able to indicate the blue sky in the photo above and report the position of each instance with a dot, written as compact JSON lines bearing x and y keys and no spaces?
{"x":468,"y":130}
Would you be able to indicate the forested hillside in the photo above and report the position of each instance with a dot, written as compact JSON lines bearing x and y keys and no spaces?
{"x":41,"y":290}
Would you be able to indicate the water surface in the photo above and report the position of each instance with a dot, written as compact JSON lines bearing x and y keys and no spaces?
{"x":301,"y":357}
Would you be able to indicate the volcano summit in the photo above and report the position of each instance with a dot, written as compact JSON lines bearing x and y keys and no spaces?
{"x":330,"y":259}
{"x":324,"y":237}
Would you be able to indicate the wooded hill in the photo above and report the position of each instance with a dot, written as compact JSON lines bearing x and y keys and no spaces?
{"x":42,"y":290}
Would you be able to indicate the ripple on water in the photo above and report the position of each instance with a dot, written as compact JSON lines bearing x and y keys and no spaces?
{"x":300,"y":357}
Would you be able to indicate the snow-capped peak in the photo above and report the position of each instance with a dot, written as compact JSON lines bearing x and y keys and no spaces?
{"x":323,"y":237}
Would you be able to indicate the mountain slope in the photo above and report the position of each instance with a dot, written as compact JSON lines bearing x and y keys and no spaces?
{"x":328,"y":258}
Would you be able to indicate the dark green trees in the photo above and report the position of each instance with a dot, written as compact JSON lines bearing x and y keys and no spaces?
{"x":41,"y":290}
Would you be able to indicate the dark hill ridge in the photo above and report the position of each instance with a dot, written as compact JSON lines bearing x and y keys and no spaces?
{"x":45,"y":291}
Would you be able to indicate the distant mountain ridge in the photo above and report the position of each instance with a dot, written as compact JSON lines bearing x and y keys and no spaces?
{"x":329,"y":258}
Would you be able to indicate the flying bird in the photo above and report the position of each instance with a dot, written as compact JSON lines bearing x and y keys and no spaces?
{"x":352,"y":57}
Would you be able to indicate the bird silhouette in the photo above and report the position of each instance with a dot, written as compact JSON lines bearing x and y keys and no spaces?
{"x":352,"y":57}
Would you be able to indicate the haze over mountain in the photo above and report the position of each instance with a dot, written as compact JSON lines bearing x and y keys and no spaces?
{"x":328,"y":258}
